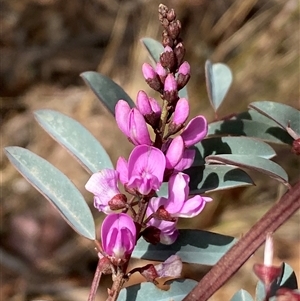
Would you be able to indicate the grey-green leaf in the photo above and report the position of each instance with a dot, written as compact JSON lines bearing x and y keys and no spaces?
{"x":282,"y":114}
{"x":56,"y":187}
{"x":255,"y":163}
{"x":155,"y":49}
{"x":75,"y":138}
{"x":241,"y":295}
{"x":231,"y":145}
{"x":179,"y":288}
{"x":209,"y":178}
{"x":250,"y":128}
{"x":108,"y":92}
{"x":218,"y":81}
{"x":192,"y":246}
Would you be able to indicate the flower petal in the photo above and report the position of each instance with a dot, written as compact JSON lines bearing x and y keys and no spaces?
{"x":122,"y":111}
{"x":195,"y":131}
{"x":122,"y":168}
{"x":178,"y":192}
{"x":187,"y":160}
{"x":137,"y":128}
{"x":174,"y":152}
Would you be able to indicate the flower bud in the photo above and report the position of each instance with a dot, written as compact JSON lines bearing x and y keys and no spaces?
{"x":137,"y":128}
{"x":118,"y":236}
{"x":174,"y":152}
{"x":149,"y":107}
{"x":170,"y":89}
{"x":151,"y":77}
{"x":168,"y":59}
{"x":161,"y":71}
{"x":183,"y":75}
{"x":180,"y":116}
{"x":179,"y":51}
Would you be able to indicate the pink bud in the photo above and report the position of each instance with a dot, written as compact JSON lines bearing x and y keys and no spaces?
{"x":137,"y":128}
{"x":151,"y":77}
{"x":174,"y":152}
{"x":181,"y":111}
{"x":118,"y":235}
{"x":147,"y":105}
{"x":170,"y":83}
{"x":161,"y":71}
{"x":122,"y":111}
{"x":142,"y":103}
{"x":184,"y":69}
{"x":148,"y":71}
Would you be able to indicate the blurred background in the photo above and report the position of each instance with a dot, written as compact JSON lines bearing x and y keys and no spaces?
{"x":46,"y":44}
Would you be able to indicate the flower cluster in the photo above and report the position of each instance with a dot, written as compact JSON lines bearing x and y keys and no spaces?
{"x":152,"y":161}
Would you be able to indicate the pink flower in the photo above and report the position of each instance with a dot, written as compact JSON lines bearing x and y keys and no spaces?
{"x":104,"y":186}
{"x":132,"y":123}
{"x":118,"y":236}
{"x":144,"y":170}
{"x":195,"y":131}
{"x":177,"y":204}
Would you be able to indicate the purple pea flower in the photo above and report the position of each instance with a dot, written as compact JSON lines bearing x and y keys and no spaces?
{"x":195,"y":131}
{"x":144,"y":170}
{"x":118,"y":236}
{"x":132,"y":123}
{"x":104,"y":186}
{"x":177,"y":204}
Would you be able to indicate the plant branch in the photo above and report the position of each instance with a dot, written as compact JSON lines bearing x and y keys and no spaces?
{"x":246,"y":246}
{"x":95,"y":284}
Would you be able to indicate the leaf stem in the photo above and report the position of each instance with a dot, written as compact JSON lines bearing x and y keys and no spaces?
{"x":246,"y":246}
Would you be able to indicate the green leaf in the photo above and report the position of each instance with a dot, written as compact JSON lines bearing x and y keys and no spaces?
{"x":108,"y":92}
{"x":250,"y":128}
{"x":241,"y":295}
{"x":55,"y":187}
{"x":218,"y":81}
{"x":179,"y":288}
{"x":75,"y":138}
{"x":288,"y":279}
{"x":231,"y":145}
{"x":255,"y":163}
{"x":192,"y":246}
{"x":282,"y":114}
{"x":155,"y":49}
{"x":209,"y":178}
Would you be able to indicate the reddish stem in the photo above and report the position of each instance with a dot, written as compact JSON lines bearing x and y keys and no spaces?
{"x":246,"y":246}
{"x":95,"y":284}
